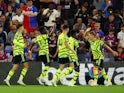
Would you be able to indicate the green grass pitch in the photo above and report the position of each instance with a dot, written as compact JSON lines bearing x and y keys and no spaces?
{"x":61,"y":89}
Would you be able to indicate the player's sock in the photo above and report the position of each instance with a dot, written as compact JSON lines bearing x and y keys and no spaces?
{"x":43,"y":74}
{"x":68,"y":71}
{"x":105,"y":75}
{"x":57,"y":74}
{"x":11,"y":73}
{"x":95,"y":74}
{"x":23,"y":73}
{"x":76,"y":74}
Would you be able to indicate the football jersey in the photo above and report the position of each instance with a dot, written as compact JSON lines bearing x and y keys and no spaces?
{"x":73,"y":44}
{"x":42,"y":41}
{"x":96,"y":49}
{"x":63,"y":52}
{"x":18,"y":44}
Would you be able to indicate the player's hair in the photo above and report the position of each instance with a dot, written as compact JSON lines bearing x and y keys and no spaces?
{"x":73,"y":33}
{"x":42,"y":30}
{"x":19,"y":25}
{"x":65,"y":27}
{"x":92,"y":33}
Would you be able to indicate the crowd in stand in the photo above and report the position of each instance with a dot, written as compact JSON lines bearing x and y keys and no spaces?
{"x":105,"y":17}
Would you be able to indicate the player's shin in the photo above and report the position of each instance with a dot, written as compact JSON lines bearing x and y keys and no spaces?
{"x":43,"y":74}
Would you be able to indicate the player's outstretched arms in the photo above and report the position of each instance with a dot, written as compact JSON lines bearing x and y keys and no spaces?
{"x":112,"y":51}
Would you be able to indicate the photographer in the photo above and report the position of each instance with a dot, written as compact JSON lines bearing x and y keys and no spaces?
{"x":50,"y":16}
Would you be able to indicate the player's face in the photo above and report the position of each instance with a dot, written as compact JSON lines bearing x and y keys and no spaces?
{"x":91,"y":37}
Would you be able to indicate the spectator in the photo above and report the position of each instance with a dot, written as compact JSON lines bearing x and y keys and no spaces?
{"x":50,"y":15}
{"x":22,"y":4}
{"x":30,"y":16}
{"x":3,"y":56}
{"x":11,"y":35}
{"x":105,"y":6}
{"x":19,"y":16}
{"x":120,"y":37}
{"x":69,"y":8}
{"x":90,"y":23}
{"x":111,"y":41}
{"x":14,"y":4}
{"x":98,"y":3}
{"x":79,"y":25}
{"x":5,"y":23}
{"x":111,"y":24}
{"x":3,"y":7}
{"x":40,"y":17}
{"x":82,"y":13}
{"x":98,"y":31}
{"x":3,"y":34}
{"x":9,"y":14}
{"x":118,"y":17}
{"x":120,"y":56}
{"x":53,"y":46}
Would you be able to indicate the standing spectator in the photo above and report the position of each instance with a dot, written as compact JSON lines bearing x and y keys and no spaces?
{"x":3,"y":56}
{"x":19,"y":16}
{"x":120,"y":37}
{"x":82,"y":13}
{"x":69,"y":8}
{"x":111,"y":24}
{"x":40,"y":17}
{"x":30,"y":16}
{"x":50,"y":15}
{"x":3,"y":7}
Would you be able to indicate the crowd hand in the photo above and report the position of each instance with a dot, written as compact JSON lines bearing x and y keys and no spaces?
{"x":115,"y":53}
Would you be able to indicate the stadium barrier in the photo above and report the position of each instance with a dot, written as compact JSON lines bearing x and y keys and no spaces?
{"x":115,"y":71}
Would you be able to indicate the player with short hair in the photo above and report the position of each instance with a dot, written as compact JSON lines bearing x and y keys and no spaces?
{"x":18,"y":56}
{"x":63,"y":49}
{"x":98,"y":57}
{"x":73,"y":43}
{"x":42,"y":41}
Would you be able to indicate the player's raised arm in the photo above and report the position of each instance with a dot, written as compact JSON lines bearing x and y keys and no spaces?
{"x":112,"y":51}
{"x":85,"y":33}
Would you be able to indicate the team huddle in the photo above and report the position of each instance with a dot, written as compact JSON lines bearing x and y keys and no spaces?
{"x":67,"y":54}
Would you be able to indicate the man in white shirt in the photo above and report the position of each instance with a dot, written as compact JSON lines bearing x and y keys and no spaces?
{"x":120,"y":37}
{"x":19,"y":16}
{"x":51,"y":15}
